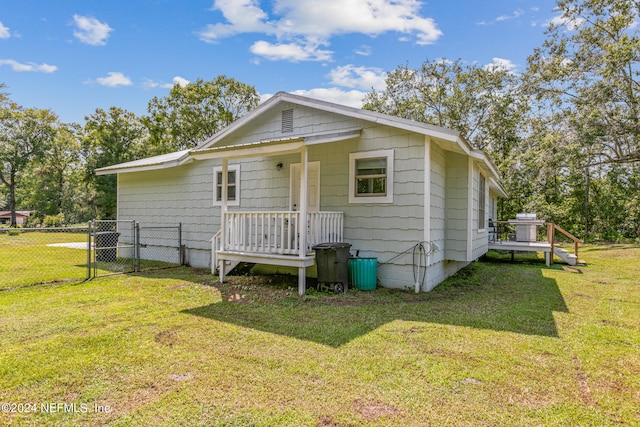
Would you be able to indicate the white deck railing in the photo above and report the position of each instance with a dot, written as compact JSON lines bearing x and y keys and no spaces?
{"x":279,"y":232}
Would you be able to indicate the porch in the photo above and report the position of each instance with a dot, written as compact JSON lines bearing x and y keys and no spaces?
{"x":272,"y":237}
{"x":502,"y":238}
{"x":279,"y":236}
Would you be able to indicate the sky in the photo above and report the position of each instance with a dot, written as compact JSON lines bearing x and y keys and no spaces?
{"x":75,"y":56}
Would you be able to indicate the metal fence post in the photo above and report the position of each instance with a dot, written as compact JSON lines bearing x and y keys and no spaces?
{"x":89,"y":250}
{"x":136,"y":249}
{"x":94,"y":227}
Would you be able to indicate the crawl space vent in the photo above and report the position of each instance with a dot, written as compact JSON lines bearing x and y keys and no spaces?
{"x":287,"y":121}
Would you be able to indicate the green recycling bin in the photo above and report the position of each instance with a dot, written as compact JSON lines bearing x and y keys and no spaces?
{"x":332,"y":260}
{"x":364,"y":273}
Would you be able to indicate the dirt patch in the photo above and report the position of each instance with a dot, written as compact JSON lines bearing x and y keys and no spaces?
{"x":325,"y":421}
{"x":583,"y":383}
{"x":181,"y":377}
{"x":372,"y":411}
{"x":168,"y":337}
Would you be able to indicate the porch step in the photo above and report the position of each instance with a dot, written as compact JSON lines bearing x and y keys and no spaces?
{"x":570,"y":259}
{"x":228,"y":266}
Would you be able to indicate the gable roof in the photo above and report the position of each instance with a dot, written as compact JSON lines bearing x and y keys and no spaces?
{"x":272,"y":103}
{"x":451,"y":140}
{"x":7,"y":214}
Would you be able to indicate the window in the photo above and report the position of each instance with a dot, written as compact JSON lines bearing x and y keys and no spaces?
{"x":481,"y":202}
{"x":233,"y":186}
{"x":371,"y":177}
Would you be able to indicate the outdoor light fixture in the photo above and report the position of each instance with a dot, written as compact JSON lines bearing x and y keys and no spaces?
{"x":279,"y":166}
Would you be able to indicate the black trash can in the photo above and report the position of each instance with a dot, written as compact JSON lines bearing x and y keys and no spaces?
{"x":332,"y":260}
{"x":106,"y":246}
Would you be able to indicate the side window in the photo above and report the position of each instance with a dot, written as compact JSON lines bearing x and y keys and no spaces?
{"x":371,"y":177}
{"x":482,"y":189}
{"x":233,"y":185}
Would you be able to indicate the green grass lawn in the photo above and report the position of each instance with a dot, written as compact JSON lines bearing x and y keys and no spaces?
{"x":26,"y":259}
{"x":498,"y":344}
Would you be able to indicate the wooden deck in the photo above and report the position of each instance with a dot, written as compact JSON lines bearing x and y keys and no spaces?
{"x":506,"y":245}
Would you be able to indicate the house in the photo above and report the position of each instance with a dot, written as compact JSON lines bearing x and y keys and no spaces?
{"x":21,"y":217}
{"x":297,"y":171}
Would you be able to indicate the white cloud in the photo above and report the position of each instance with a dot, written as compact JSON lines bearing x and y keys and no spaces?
{"x":290,"y":52}
{"x":302,"y":25}
{"x":570,"y":23}
{"x":177,"y":80}
{"x":114,"y":79}
{"x":351,"y":98}
{"x":364,"y":50}
{"x":91,"y":31}
{"x":358,"y":77}
{"x":245,"y":16}
{"x":4,"y":32}
{"x":181,"y":81}
{"x":501,"y":64}
{"x":516,"y":14}
{"x":20,"y":67}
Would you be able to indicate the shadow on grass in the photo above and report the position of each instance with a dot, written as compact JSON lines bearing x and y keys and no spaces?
{"x":491,"y":296}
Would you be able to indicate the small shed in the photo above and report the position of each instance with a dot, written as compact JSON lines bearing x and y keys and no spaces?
{"x":21,"y":217}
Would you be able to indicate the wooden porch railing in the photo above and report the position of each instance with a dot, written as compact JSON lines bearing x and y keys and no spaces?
{"x":498,"y":230}
{"x":551,"y":237}
{"x":278,"y":232}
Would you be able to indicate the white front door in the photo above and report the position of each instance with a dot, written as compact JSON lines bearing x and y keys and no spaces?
{"x":313,"y":186}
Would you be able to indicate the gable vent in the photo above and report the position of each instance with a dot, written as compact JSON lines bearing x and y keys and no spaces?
{"x":287,"y":121}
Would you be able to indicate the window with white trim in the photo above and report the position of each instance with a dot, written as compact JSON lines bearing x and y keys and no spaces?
{"x":371,"y":177}
{"x":482,"y":188}
{"x":233,"y":185}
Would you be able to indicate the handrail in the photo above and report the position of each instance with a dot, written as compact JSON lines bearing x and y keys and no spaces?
{"x":552,"y":227}
{"x":566,"y":233}
{"x":216,"y":245}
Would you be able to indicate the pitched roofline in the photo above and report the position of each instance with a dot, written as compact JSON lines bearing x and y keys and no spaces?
{"x":187,"y":156}
{"x":371,"y":116}
{"x":162,"y":161}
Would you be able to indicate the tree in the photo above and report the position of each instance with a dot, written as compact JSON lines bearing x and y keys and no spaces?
{"x":24,"y":136}
{"x":110,"y":137}
{"x":53,"y":186}
{"x":194,"y":112}
{"x":588,"y":70}
{"x":586,"y":79}
{"x":481,"y":103}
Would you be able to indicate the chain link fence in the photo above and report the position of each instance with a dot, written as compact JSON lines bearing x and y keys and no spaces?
{"x":43,"y":255}
{"x":31,"y":256}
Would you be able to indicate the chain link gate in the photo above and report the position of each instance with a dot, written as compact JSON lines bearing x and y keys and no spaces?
{"x":126,"y":246}
{"x":114,"y":247}
{"x":158,"y":247}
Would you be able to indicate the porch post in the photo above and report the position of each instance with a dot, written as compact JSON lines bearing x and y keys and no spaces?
{"x":303,"y":226}
{"x":223,"y":211}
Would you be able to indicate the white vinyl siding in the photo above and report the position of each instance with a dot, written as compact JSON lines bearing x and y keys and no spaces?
{"x":375,"y":229}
